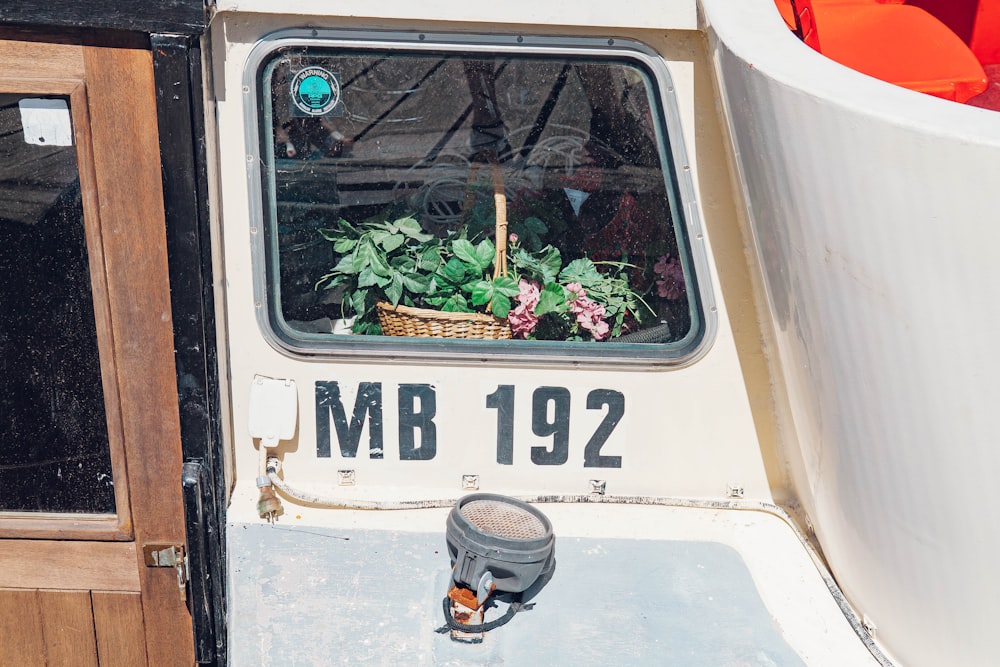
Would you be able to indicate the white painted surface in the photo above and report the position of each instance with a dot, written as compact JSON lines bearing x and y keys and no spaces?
{"x":46,"y":122}
{"x":676,"y":14}
{"x":686,"y":432}
{"x":875,"y":217}
{"x":632,"y":585}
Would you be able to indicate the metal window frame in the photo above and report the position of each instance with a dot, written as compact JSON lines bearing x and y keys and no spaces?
{"x":677,"y":173}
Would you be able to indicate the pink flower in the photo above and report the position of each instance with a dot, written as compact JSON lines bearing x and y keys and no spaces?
{"x":529,"y":294}
{"x":589,"y":314}
{"x":522,"y":317}
{"x":600,"y":330}
{"x":513,"y":238}
{"x":671,"y":285}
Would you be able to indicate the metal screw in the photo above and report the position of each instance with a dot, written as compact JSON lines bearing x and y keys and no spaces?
{"x":346,"y":477}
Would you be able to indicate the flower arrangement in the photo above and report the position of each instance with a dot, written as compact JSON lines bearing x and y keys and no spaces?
{"x":541,"y":298}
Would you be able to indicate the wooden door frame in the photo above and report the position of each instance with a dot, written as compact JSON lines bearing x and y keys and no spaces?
{"x":60,"y":71}
{"x":172,"y":31}
{"x":126,"y":233}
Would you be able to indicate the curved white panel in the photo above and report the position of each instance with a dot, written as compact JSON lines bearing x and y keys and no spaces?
{"x":875,"y":218}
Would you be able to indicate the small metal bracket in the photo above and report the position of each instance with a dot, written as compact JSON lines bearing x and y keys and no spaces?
{"x":869,"y":625}
{"x":470,"y":482}
{"x":168,"y":555}
{"x":734,"y":490}
{"x":598,"y":487}
{"x":467,"y":611}
{"x":346,"y":478}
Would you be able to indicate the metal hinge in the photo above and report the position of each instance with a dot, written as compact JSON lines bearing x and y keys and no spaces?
{"x":169,"y":555}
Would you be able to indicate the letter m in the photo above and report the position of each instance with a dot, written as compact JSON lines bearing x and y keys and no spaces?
{"x":329,"y":406}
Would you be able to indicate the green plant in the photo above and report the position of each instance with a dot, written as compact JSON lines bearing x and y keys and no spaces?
{"x":397,"y":262}
{"x":571,"y":302}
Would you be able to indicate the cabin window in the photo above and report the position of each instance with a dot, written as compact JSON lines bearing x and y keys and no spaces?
{"x":381,"y":173}
{"x":56,"y":452}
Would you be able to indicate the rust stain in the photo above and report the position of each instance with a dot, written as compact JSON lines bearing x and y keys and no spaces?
{"x":464,"y":597}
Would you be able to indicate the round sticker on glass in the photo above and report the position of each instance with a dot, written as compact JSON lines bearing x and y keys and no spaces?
{"x":315,"y":91}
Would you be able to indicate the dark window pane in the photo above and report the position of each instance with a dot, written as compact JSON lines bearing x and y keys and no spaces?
{"x":54,"y":454}
{"x":375,"y":137}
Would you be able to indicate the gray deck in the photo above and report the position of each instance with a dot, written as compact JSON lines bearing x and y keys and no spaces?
{"x":321,"y":596}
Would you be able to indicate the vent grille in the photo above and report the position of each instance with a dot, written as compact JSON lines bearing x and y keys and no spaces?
{"x":503,"y":520}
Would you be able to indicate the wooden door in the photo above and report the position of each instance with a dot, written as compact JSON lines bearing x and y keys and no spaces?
{"x":90,"y":460}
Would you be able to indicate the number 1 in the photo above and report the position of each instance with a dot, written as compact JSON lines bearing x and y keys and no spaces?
{"x":503,"y":400}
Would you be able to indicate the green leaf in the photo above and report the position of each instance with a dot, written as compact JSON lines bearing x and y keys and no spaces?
{"x":392,"y":242}
{"x":367,"y":277}
{"x":379,"y":265}
{"x":362,"y":255}
{"x":535,"y":225}
{"x":329,"y":281}
{"x":552,"y":299}
{"x":485,"y":254}
{"x":581,"y":271}
{"x":416,"y":283}
{"x":506,"y":285}
{"x":501,"y":306}
{"x":342,"y":246}
{"x":411,"y":228}
{"x":543,"y":265}
{"x":394,"y":291}
{"x":456,"y":304}
{"x":551,"y":263}
{"x":436,"y":301}
{"x":345,"y":265}
{"x":453,"y":271}
{"x":482,"y":293}
{"x":465,"y":251}
{"x":430,"y":259}
{"x":342,"y":230}
{"x":403,"y":264}
{"x":358,"y":302}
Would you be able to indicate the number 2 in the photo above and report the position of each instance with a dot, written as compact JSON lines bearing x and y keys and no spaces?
{"x":615,"y":402}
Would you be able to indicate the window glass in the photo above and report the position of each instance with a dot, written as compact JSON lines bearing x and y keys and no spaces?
{"x":54,"y":454}
{"x":383,"y":173}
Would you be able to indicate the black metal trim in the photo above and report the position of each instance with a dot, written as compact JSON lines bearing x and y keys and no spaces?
{"x":177,"y":77}
{"x":197,"y":489}
{"x":187,"y":17}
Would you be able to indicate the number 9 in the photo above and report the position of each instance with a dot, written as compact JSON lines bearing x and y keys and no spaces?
{"x":558,"y":427}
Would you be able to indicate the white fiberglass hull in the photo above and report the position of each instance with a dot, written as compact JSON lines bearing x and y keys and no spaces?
{"x":873,"y":212}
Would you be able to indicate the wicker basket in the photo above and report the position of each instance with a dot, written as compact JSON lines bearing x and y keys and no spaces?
{"x":406,"y":321}
{"x":426,"y":323}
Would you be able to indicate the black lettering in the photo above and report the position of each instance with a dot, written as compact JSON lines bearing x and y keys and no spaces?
{"x":367,"y":404}
{"x":411,"y":421}
{"x":615,"y":402}
{"x":557,"y":427}
{"x":503,"y":401}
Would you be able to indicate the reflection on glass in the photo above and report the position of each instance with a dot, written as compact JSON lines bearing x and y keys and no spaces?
{"x":577,"y":143}
{"x":54,"y":454}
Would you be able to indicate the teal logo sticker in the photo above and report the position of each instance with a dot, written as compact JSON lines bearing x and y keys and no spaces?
{"x":315,"y":92}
